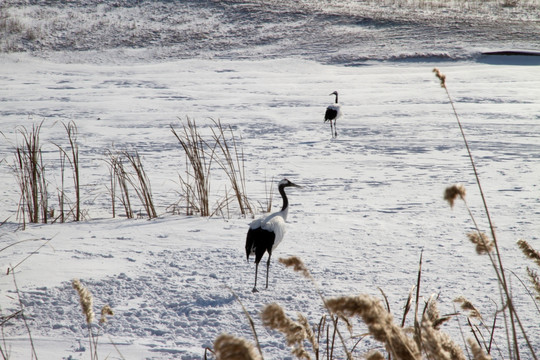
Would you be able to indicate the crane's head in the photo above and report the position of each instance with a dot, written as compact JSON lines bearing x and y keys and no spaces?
{"x":287,"y":183}
{"x":334,"y":93}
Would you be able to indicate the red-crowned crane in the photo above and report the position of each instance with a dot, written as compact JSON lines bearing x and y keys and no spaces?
{"x":333,"y":112}
{"x":265,"y":234}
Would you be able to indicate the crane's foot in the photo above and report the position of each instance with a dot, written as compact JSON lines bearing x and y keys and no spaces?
{"x":254,"y":290}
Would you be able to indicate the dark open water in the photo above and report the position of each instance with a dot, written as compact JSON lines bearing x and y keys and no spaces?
{"x":338,"y":31}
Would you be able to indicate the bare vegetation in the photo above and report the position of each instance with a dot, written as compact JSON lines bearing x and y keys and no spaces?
{"x":199,"y":156}
{"x":122,"y":179}
{"x":30,"y":173}
{"x":72,"y":156}
{"x":221,"y":148}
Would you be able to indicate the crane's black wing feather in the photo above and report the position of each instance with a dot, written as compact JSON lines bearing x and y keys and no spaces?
{"x":330,"y":114}
{"x":258,"y":241}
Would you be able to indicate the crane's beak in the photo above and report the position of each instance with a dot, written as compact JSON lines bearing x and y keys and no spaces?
{"x":294,"y":185}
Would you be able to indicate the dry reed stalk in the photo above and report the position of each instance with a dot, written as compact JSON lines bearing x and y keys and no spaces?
{"x":310,"y":335}
{"x":73,"y":158}
{"x":119,"y":176}
{"x":21,"y":304}
{"x":228,"y":347}
{"x":30,"y":174}
{"x":200,"y":156}
{"x":274,"y":317}
{"x":251,"y":322}
{"x":407,"y":306}
{"x":141,"y":184}
{"x":233,"y":165}
{"x":269,"y":194}
{"x":380,"y":324}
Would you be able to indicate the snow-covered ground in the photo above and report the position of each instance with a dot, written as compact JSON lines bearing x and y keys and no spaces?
{"x":371,"y":201}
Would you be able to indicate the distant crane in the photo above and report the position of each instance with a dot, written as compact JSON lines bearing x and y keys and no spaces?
{"x":265,"y":234}
{"x":333,"y":112}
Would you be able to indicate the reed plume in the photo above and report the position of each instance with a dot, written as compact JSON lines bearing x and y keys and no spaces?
{"x":483,"y":244}
{"x":529,"y":252}
{"x":274,"y":317}
{"x":453,"y":192}
{"x":437,"y":344}
{"x":477,"y":352}
{"x":535,"y":280}
{"x":297,"y":265}
{"x":468,"y":306}
{"x":228,"y":347}
{"x":380,"y":324}
{"x":374,"y":355}
{"x":86,"y":300}
{"x":105,"y":311}
{"x":441,"y":77}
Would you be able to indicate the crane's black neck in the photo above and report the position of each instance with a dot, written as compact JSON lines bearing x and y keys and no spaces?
{"x":336,"y":97}
{"x":284,"y":197}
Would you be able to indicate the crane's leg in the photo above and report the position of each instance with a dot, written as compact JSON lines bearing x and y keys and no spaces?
{"x":335,"y":129}
{"x":268,"y":268}
{"x":255,"y":286}
{"x":331,"y":128}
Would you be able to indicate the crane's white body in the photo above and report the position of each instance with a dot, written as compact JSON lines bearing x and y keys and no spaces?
{"x":274,"y":223}
{"x":266,"y":233}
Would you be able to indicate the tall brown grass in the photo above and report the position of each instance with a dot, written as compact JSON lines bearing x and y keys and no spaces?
{"x":30,"y":174}
{"x":72,"y":156}
{"x":199,"y":157}
{"x":221,"y":148}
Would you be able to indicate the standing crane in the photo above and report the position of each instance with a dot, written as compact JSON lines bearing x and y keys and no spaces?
{"x":265,"y":234}
{"x":333,"y":112}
